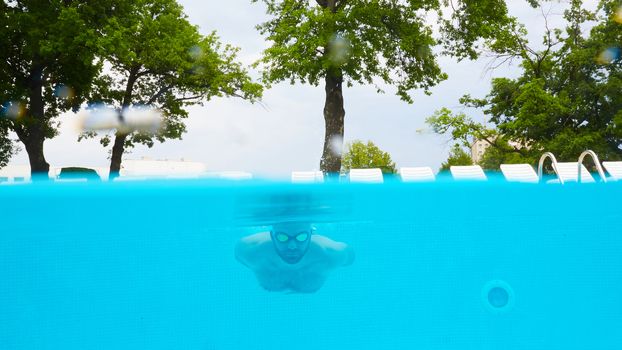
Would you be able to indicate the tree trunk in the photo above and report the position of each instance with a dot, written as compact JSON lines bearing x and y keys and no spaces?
{"x":38,"y":165}
{"x":334,"y":115}
{"x":32,"y":133}
{"x":119,"y":141}
{"x":117,"y":153}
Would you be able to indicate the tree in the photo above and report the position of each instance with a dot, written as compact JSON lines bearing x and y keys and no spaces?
{"x":369,"y":42}
{"x":7,"y":148}
{"x":365,"y":156}
{"x":567,"y":99}
{"x":457,"y":156}
{"x":158,"y":58}
{"x":505,"y":152}
{"x":465,"y":132}
{"x":6,"y":144}
{"x":47,"y":64}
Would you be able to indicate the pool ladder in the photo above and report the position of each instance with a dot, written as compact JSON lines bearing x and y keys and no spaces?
{"x":590,"y":153}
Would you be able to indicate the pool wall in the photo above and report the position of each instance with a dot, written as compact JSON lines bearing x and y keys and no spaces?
{"x":438,"y":266}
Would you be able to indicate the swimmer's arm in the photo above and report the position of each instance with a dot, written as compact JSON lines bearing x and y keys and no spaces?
{"x":248,"y":248}
{"x":241,"y":253}
{"x":347,"y":255}
{"x":339,"y":253}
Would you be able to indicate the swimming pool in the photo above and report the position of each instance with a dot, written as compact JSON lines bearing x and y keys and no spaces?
{"x":151,"y":265}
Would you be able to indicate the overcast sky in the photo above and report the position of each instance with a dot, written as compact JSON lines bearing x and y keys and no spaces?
{"x":286,"y":131}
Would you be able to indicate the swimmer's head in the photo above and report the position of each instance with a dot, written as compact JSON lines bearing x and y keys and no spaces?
{"x":291,"y":240}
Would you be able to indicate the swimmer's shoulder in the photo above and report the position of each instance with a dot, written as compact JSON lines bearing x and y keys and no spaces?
{"x":328,"y":243}
{"x":250,"y":247}
{"x":255,"y":239}
{"x":340,"y":253}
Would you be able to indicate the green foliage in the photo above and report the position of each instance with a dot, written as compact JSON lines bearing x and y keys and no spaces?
{"x":470,"y":21}
{"x":369,"y":41}
{"x":567,"y":99}
{"x":502,"y":152}
{"x":7,"y":147}
{"x":465,"y":131}
{"x":47,"y":62}
{"x":359,"y":155}
{"x":53,"y":54}
{"x":462,"y":128}
{"x":390,"y":42}
{"x":158,"y":58}
{"x":457,"y":156}
{"x":51,"y":41}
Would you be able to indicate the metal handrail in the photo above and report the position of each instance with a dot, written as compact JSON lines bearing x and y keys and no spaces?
{"x":553,"y":161}
{"x":591,"y":153}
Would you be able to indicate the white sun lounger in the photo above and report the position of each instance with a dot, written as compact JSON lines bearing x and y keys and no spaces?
{"x":519,"y":173}
{"x":235,"y":175}
{"x":417,"y":174}
{"x":373,"y":175}
{"x":614,"y":169}
{"x":307,"y":177}
{"x":567,"y":171}
{"x":160,"y":169}
{"x":15,"y":174}
{"x":467,"y":172}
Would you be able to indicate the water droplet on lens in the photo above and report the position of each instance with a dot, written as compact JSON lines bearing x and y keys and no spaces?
{"x":64,"y":92}
{"x":143,"y":118}
{"x":609,"y":55}
{"x":99,"y":117}
{"x":195,"y":52}
{"x":339,"y":50}
{"x":13,"y":110}
{"x":336,"y":145}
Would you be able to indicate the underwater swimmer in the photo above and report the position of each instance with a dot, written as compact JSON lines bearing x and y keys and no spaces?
{"x":291,"y":257}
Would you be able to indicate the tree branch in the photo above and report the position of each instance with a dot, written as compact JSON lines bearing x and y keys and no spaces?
{"x":188,"y":98}
{"x":158,"y":94}
{"x":143,"y":73}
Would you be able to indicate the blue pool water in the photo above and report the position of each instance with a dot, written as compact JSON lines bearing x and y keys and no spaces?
{"x":150,"y":265}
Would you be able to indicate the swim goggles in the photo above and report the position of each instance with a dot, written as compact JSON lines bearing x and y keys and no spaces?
{"x":282,"y":237}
